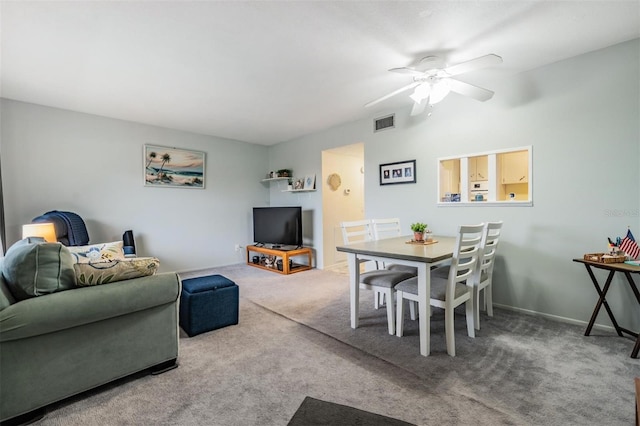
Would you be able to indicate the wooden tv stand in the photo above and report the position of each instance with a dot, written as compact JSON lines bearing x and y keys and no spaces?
{"x":278,"y":260}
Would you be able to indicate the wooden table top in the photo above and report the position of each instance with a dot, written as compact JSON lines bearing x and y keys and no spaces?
{"x":397,"y":248}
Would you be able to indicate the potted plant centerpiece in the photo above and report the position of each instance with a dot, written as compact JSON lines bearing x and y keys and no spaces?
{"x":418,"y":229}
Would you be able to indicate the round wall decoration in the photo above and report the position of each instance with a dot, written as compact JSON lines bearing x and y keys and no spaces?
{"x":334,"y":181}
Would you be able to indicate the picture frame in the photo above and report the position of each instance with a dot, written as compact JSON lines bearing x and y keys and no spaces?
{"x":398,"y":172}
{"x":309,"y":182}
{"x":167,"y":167}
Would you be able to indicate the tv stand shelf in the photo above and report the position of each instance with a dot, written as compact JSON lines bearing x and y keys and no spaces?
{"x":279,"y":261}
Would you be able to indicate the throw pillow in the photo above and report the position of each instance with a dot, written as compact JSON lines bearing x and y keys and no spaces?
{"x":88,"y":274}
{"x":34,"y":268}
{"x":104,"y":252}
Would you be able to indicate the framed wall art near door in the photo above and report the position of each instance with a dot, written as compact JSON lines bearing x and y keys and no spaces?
{"x":400,"y":172}
{"x":173,"y":167}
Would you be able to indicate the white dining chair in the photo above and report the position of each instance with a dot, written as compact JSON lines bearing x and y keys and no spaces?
{"x":483,"y":280}
{"x":380,"y":281}
{"x":390,"y":228}
{"x":358,"y":231}
{"x":450,"y":292}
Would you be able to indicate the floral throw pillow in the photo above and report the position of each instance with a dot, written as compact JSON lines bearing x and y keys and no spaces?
{"x":105,"y":252}
{"x":89,"y":274}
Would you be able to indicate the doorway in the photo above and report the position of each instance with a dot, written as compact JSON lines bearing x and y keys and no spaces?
{"x":343,"y":199}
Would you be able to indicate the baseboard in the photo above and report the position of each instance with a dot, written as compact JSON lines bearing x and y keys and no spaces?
{"x":555,"y":317}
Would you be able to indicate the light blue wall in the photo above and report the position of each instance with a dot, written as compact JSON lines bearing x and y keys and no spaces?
{"x":54,"y":159}
{"x":582,"y":118}
{"x":580,"y":115}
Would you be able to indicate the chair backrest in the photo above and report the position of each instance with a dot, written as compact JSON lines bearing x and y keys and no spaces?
{"x":386,"y":228}
{"x":488,"y":247}
{"x":356,"y":231}
{"x":466,"y":255}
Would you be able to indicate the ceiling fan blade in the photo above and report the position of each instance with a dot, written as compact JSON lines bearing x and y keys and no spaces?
{"x":395,"y":92}
{"x":473,"y":64}
{"x":469,"y":90}
{"x":406,"y":70}
{"x":418,"y":107}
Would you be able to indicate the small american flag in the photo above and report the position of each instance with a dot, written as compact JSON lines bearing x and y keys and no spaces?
{"x":630,"y":246}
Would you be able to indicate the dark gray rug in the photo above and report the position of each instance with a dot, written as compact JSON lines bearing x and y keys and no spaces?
{"x":315,"y":412}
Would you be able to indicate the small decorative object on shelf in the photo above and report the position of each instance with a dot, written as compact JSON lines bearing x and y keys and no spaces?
{"x":309,"y":182}
{"x":418,"y":229}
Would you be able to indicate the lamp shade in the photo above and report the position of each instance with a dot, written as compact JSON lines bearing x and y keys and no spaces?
{"x":44,"y":230}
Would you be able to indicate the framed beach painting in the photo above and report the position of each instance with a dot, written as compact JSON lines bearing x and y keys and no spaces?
{"x":173,"y":167}
{"x":400,"y":172}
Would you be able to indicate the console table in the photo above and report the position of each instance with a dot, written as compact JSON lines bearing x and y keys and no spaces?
{"x":276,"y":260}
{"x":622,"y":268}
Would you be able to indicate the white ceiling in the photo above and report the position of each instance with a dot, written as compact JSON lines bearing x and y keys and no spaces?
{"x":266,"y":72}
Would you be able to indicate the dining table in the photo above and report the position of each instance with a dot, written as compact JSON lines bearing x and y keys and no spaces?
{"x":400,"y":250}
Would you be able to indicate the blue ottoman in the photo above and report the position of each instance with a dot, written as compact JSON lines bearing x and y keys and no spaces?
{"x":208,"y":303}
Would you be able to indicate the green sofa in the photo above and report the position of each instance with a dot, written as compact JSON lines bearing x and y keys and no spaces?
{"x":57,"y":345}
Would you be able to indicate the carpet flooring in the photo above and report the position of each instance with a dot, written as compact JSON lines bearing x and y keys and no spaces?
{"x":294,"y":341}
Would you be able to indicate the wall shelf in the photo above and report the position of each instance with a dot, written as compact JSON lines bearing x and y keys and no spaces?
{"x":299,"y":190}
{"x":275,"y":179}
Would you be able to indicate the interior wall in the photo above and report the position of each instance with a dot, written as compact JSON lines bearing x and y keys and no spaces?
{"x":585,"y":134}
{"x":54,"y":159}
{"x":345,"y":203}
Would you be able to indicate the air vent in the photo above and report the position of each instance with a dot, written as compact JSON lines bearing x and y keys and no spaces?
{"x":384,"y":123}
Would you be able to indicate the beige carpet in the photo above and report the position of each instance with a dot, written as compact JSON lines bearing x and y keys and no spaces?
{"x":294,"y":341}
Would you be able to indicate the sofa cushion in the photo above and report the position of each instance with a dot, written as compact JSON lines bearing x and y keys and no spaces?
{"x":6,"y":298}
{"x":94,"y":253}
{"x":67,"y":309}
{"x":88,"y":274}
{"x":33,"y":268}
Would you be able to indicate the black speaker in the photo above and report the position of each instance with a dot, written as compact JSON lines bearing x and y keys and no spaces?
{"x":129,"y":244}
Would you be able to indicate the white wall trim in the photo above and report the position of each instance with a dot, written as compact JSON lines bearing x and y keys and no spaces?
{"x":556,"y":317}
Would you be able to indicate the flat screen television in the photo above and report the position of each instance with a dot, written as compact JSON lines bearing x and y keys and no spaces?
{"x":277,"y":226}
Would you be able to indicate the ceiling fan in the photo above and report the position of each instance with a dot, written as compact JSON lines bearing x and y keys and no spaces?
{"x":432,"y":81}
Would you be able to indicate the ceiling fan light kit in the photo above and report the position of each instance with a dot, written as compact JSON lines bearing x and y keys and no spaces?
{"x":433,"y":83}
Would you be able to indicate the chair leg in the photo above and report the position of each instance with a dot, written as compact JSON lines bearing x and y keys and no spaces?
{"x":449,"y":331}
{"x":399,"y":313}
{"x":469,"y":309}
{"x":488,"y":297}
{"x":476,"y":307}
{"x":412,"y":310}
{"x":391,"y":314}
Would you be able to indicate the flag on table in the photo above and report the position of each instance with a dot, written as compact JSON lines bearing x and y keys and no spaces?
{"x":630,"y":246}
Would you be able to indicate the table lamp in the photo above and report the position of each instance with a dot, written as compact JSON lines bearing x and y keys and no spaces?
{"x":44,"y":230}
